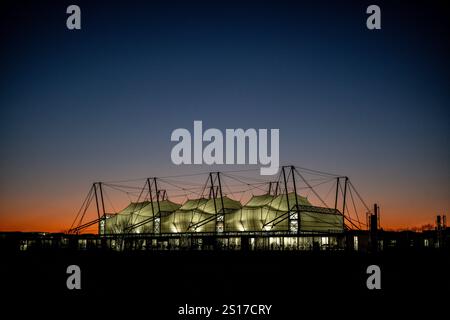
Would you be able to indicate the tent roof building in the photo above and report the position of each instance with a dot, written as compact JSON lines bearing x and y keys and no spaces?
{"x":261,"y":213}
{"x":276,"y":214}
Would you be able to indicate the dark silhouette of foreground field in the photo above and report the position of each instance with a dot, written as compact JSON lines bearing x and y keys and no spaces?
{"x":155,"y":284}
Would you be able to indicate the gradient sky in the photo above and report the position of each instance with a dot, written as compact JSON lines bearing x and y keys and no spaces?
{"x":101,"y":103}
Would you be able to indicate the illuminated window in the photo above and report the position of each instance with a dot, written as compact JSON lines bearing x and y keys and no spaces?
{"x":157,"y":225}
{"x":274,"y":243}
{"x":355,"y":242}
{"x":293,"y":227}
{"x":293,"y":222}
{"x":102,"y":226}
{"x":23,"y":245}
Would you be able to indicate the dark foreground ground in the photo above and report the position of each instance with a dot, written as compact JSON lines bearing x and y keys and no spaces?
{"x":153,"y":285}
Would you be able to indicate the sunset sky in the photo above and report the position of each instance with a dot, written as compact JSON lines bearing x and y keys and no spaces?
{"x":99,"y":104}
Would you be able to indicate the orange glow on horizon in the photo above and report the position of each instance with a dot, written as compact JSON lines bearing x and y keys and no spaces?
{"x":49,"y":209}
{"x":59,"y":218}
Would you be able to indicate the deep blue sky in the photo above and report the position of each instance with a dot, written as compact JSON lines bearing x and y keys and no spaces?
{"x":101,"y":103}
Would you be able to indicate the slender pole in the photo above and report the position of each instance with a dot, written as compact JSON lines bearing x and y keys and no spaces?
{"x":345,"y":195}
{"x":149,"y":183}
{"x":295,"y":187}
{"x":96,"y":200}
{"x":159,"y":208}
{"x":285,"y":187}
{"x":96,"y":204}
{"x":376,"y":213}
{"x":101,"y":197}
{"x":221,"y":199}
{"x":214,"y":198}
{"x":213,"y":193}
{"x":157,"y":195}
{"x":337,"y":193}
{"x":296,"y":200}
{"x":287,"y":198}
{"x":220,"y":191}
{"x":103,"y":218}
